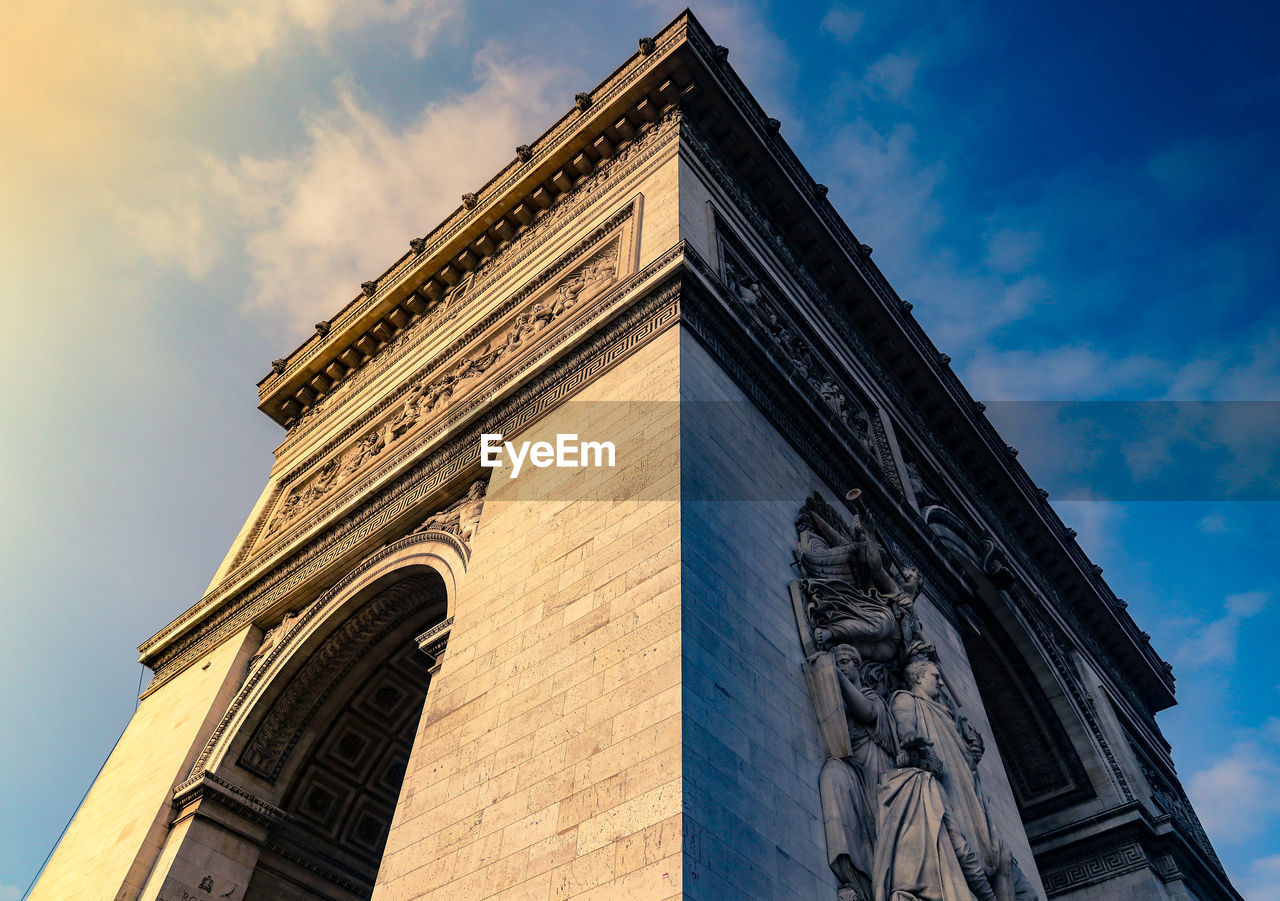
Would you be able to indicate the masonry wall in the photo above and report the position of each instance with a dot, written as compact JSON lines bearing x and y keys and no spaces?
{"x":752,"y":751}
{"x":547,"y":764}
{"x":751,"y":747}
{"x":115,"y":837}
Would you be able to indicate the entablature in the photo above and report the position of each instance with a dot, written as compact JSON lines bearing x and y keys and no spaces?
{"x":436,"y":270}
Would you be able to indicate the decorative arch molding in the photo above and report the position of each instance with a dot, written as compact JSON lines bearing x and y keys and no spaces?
{"x":977,"y":555}
{"x":1041,"y":759}
{"x":426,"y":560}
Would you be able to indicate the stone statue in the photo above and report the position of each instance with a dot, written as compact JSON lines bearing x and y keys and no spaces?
{"x":460,"y":518}
{"x":904,"y":814}
{"x":276,"y":635}
{"x":849,"y":786}
{"x":937,"y":741}
{"x":852,"y":595}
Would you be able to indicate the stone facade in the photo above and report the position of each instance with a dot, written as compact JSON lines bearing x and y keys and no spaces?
{"x":415,"y":676}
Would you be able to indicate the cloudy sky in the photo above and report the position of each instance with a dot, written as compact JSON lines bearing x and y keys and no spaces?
{"x":1081,"y":202}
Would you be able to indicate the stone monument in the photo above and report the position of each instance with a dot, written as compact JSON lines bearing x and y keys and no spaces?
{"x":790,"y":623}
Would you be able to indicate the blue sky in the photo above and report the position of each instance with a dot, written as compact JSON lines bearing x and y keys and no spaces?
{"x":1081,"y":202}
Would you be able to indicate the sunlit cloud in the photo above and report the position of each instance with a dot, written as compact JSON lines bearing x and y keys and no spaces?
{"x":1238,"y":796}
{"x":343,"y":207}
{"x":1215,"y":642}
{"x":118,"y":65}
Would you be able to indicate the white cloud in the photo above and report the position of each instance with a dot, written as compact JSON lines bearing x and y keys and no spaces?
{"x":1262,"y":881}
{"x":1214,"y":524}
{"x":1094,"y":522}
{"x":1012,"y":249}
{"x":1066,"y":372}
{"x":1246,"y":604}
{"x":842,"y":23}
{"x":1238,"y":796}
{"x":886,"y":192}
{"x":91,"y":74}
{"x":1216,"y":641}
{"x":1198,"y":169}
{"x":343,"y":208}
{"x":1250,"y":374}
{"x":893,"y":75}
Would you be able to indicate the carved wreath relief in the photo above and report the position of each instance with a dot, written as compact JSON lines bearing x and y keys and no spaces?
{"x":904,"y":812}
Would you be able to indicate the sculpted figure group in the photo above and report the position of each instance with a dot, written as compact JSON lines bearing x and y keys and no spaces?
{"x":903,"y":807}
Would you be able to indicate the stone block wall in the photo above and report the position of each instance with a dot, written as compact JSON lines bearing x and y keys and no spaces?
{"x":752,"y":753}
{"x":548,"y":761}
{"x":116,"y":835}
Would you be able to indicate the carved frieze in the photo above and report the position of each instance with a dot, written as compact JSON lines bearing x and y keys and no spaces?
{"x":428,"y":397}
{"x":651,"y":137}
{"x":758,"y":301}
{"x":460,"y":518}
{"x":647,"y":307}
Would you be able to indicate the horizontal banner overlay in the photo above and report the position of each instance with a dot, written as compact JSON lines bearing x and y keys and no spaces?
{"x":728,"y":450}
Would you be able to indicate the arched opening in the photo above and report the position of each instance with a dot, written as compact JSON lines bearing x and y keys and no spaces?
{"x":340,"y":787}
{"x":296,"y":790}
{"x":1044,"y":770}
{"x":1035,"y":724}
{"x":335,"y":741}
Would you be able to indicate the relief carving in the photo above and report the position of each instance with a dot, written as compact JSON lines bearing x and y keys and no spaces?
{"x":276,"y":635}
{"x":650,"y":138}
{"x":904,"y":812}
{"x":430,"y":395}
{"x":460,"y":518}
{"x":756,"y":300}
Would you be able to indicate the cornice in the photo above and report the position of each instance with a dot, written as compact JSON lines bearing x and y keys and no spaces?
{"x":206,"y":786}
{"x":602,"y":122}
{"x":561,"y":217}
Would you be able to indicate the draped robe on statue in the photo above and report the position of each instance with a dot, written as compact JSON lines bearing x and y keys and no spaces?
{"x":849,"y":790}
{"x":934,"y":721}
{"x":920,"y":849}
{"x":850,"y":614}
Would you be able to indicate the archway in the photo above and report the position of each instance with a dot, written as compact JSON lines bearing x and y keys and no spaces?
{"x":296,"y":788}
{"x":1036,"y":724}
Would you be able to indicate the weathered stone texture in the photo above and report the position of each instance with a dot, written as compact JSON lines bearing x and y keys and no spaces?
{"x":751,"y":746}
{"x":547,"y":764}
{"x":118,"y":832}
